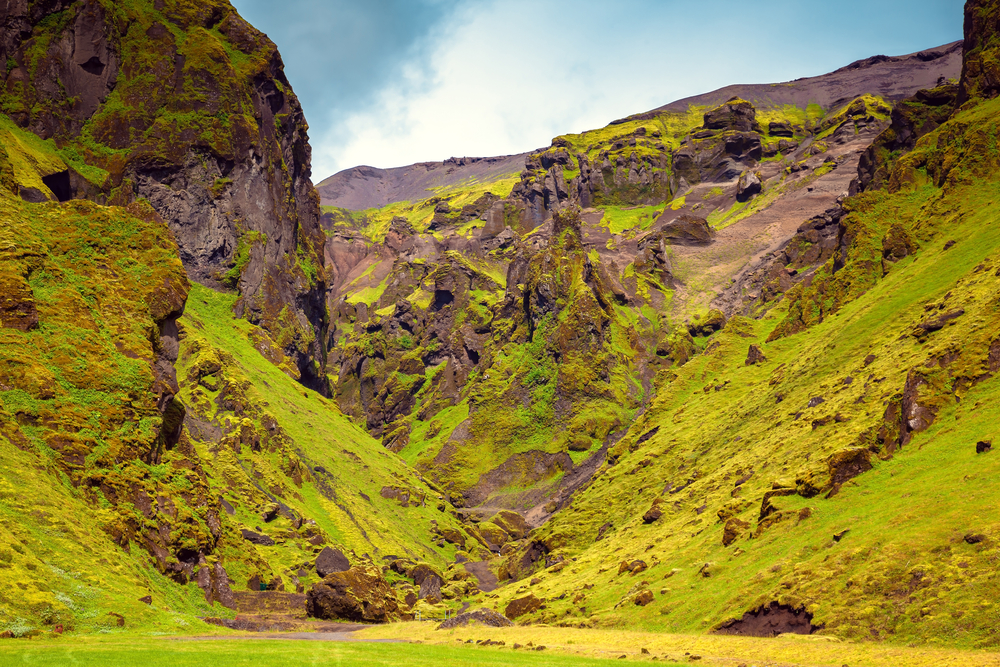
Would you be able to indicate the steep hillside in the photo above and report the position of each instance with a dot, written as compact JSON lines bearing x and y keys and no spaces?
{"x":125,"y":477}
{"x":821,"y":468}
{"x":160,"y":459}
{"x":731,"y":364}
{"x":185,"y":105}
{"x":503,"y":333}
{"x":891,"y":77}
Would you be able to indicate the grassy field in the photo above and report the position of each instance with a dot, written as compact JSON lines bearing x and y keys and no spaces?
{"x":419,"y":644}
{"x":181,"y":652}
{"x":789,"y":650}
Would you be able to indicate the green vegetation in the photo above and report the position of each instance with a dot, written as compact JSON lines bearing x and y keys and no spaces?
{"x":374,"y":222}
{"x":831,"y":455}
{"x":246,"y":241}
{"x":620,"y":220}
{"x":314,"y":434}
{"x":143,"y":652}
{"x":95,"y":280}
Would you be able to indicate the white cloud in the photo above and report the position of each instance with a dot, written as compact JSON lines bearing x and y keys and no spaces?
{"x":506,"y":76}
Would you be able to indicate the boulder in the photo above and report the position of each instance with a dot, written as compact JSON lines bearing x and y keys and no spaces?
{"x":494,"y":535}
{"x":454,"y":536}
{"x":687,"y":230}
{"x":634,"y":567}
{"x":755,"y":355}
{"x":706,"y":325}
{"x":512,"y":523}
{"x":777,"y":128}
{"x":984,"y":446}
{"x":521,"y":606}
{"x":735,"y":115}
{"x":430,"y":589}
{"x":933,"y":324}
{"x":785,"y":146}
{"x":748,"y":186}
{"x":643,"y":598}
{"x":733,"y":529}
{"x":257,"y":538}
{"x":358,"y":595}
{"x":653,"y":513}
{"x":421,"y":571}
{"x":330,"y":561}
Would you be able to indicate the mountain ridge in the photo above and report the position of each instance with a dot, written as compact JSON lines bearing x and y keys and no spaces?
{"x":892,"y":77}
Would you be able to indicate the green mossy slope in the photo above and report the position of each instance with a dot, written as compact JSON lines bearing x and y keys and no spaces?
{"x":839,"y":475}
{"x":286,"y":444}
{"x":111,"y":488}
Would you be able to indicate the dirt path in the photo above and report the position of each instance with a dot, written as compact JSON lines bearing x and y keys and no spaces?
{"x":706,"y":270}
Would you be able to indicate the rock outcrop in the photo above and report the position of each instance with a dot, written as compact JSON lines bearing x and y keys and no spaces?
{"x":187,"y":107}
{"x":981,"y":65}
{"x":358,"y":594}
{"x":728,"y":143}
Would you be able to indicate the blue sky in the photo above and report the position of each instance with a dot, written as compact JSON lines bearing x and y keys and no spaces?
{"x":393,"y":82}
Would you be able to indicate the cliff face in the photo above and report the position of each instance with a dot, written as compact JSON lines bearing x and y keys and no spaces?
{"x":144,"y":443}
{"x":981,"y":68}
{"x":185,"y":105}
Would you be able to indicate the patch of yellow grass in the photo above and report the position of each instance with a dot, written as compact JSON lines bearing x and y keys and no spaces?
{"x":801,"y":651}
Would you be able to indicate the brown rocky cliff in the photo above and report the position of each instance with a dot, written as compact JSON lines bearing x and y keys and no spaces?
{"x":185,"y":105}
{"x":981,"y":66}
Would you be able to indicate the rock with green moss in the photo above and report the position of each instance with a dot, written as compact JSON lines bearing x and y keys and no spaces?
{"x":359,"y":595}
{"x":172,"y":103}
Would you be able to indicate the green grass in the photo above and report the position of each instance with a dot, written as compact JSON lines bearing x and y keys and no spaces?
{"x":321,"y":436}
{"x":144,"y":652}
{"x":620,"y":219}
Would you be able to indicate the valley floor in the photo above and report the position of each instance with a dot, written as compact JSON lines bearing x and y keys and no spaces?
{"x":420,"y":644}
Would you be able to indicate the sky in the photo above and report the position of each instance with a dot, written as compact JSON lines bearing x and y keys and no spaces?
{"x":388,"y":83}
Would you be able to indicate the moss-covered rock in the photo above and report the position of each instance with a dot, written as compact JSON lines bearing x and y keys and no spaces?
{"x":359,"y":595}
{"x":170,"y":102}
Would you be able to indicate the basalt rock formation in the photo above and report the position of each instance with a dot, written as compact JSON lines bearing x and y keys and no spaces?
{"x":185,"y":105}
{"x":861,"y":350}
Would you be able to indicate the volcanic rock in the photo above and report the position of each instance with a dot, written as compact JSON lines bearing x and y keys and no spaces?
{"x":777,"y":128}
{"x":643,"y":598}
{"x":770,"y":621}
{"x":521,"y":606}
{"x":356,"y":595}
{"x":733,"y":529}
{"x":653,"y":513}
{"x":687,"y":230}
{"x":707,"y":324}
{"x":486,"y":617}
{"x":755,"y":356}
{"x":257,"y":538}
{"x":330,"y":561}
{"x":748,"y":186}
{"x":736,"y":114}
